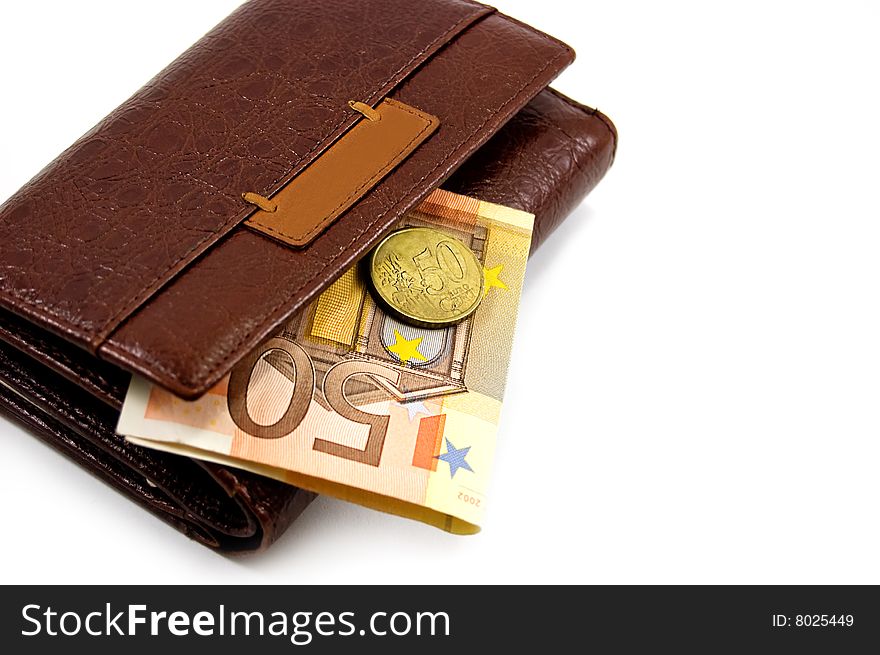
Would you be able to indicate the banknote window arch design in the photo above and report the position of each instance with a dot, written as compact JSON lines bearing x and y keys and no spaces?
{"x":434,"y":346}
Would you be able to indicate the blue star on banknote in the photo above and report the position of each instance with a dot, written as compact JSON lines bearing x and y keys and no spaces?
{"x":455,"y":457}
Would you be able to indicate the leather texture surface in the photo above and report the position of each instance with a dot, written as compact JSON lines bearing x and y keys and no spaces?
{"x":543,"y":161}
{"x":131,"y":245}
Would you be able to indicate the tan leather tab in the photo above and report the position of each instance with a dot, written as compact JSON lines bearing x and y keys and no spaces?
{"x":344,"y":173}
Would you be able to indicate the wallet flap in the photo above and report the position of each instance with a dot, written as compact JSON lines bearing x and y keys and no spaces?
{"x":160,"y":180}
{"x":131,"y":244}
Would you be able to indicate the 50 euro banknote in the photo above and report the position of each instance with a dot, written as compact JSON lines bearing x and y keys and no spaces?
{"x":348,"y":401}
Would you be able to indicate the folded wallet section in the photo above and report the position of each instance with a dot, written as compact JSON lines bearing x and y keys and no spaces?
{"x":139,"y":245}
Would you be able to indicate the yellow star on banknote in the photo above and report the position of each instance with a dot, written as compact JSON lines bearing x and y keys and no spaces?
{"x":406,"y":349}
{"x":491,"y":279}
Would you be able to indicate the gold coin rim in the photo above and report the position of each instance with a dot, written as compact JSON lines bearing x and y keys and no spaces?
{"x":418,"y":322}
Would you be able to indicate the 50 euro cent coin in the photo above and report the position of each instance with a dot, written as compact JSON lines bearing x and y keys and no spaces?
{"x":426,"y":278}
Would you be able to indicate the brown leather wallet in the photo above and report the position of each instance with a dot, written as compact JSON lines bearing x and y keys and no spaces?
{"x":165,"y":241}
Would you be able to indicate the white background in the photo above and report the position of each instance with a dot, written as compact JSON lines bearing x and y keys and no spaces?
{"x":694,"y":389}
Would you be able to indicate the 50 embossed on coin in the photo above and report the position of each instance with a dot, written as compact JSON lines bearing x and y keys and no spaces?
{"x":426,"y":278}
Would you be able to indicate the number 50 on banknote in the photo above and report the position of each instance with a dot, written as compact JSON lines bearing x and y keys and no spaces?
{"x":351,"y":402}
